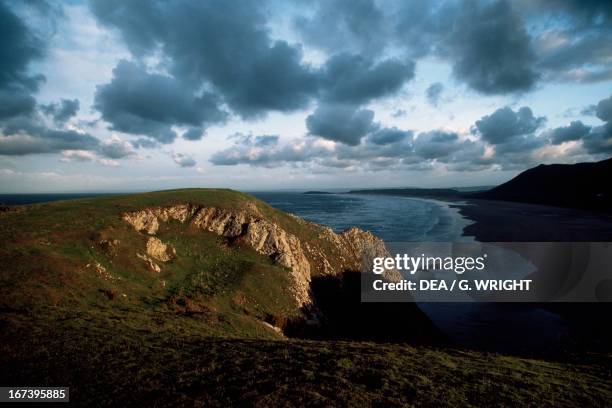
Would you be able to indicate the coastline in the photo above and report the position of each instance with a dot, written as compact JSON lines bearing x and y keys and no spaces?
{"x":504,"y":221}
{"x":460,"y":220}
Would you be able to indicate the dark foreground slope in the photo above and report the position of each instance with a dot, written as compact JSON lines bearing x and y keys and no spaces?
{"x":181,"y":298}
{"x":584,"y":186}
{"x":107,"y":360}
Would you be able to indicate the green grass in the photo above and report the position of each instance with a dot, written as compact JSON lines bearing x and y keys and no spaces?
{"x":195,"y":334}
{"x":116,"y":358}
{"x":47,"y":247}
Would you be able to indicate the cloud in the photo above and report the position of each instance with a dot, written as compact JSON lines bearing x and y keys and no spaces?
{"x":354,"y":79}
{"x":15,"y":102}
{"x":145,"y":143}
{"x":340,"y":123}
{"x":399,"y":113}
{"x":469,"y":156}
{"x":565,"y":58}
{"x":507,"y":126}
{"x":358,"y":25}
{"x":219,"y":44}
{"x":19,"y":47}
{"x":61,"y":112}
{"x":183,"y":160}
{"x":434,"y":92}
{"x":141,"y":103}
{"x":194,"y":134}
{"x":26,"y":135}
{"x":599,"y":140}
{"x":109,"y":163}
{"x":436,"y":144}
{"x":490,"y":48}
{"x":513,"y":137}
{"x":604,"y":109}
{"x":78,"y":155}
{"x":115,"y":148}
{"x":386,"y":136}
{"x":578,"y":45}
{"x":574,"y":131}
{"x":266,"y":140}
{"x":265,"y":151}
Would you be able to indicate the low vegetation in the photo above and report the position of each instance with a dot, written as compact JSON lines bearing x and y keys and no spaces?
{"x":81,"y":309}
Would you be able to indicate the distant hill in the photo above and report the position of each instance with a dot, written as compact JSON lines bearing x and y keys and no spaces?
{"x":583,"y":185}
{"x":317,"y":192}
{"x":413,"y":192}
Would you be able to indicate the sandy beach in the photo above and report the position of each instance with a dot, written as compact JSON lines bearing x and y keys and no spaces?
{"x":499,"y":221}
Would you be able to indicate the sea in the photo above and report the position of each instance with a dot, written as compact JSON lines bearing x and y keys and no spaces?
{"x":489,"y":326}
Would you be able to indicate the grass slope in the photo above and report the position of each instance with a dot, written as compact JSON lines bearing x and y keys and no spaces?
{"x":194,"y":334}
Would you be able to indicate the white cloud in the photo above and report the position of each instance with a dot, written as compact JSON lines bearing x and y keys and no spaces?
{"x":77,"y":155}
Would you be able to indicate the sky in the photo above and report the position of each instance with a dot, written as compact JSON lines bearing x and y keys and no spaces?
{"x":115,"y":95}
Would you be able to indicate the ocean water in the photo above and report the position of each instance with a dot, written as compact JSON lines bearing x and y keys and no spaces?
{"x":18,"y":199}
{"x":394,"y":219}
{"x":496,"y":327}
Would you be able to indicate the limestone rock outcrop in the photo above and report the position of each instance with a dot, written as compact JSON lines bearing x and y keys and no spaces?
{"x":352,"y":249}
{"x":160,"y":251}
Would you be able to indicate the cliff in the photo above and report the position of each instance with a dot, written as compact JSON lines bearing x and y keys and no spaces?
{"x":353,"y":249}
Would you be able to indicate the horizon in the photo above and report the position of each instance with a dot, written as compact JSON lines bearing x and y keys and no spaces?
{"x":287,"y":189}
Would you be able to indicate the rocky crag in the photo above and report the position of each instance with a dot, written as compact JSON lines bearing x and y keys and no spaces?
{"x":328,"y":254}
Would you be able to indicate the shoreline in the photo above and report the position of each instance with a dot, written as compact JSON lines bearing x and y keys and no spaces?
{"x":460,"y":221}
{"x":504,"y":221}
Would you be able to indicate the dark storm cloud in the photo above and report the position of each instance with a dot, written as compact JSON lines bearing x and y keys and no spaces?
{"x":599,"y":140}
{"x":141,"y":103}
{"x":576,"y":46}
{"x":145,"y":143}
{"x":604,"y":109}
{"x":386,"y":136}
{"x":507,"y":126}
{"x":434,"y":92}
{"x":341,"y":123}
{"x":585,"y":11}
{"x":436,"y":144}
{"x":194,"y":134}
{"x":224,"y":44}
{"x":490,"y":48}
{"x":574,"y":131}
{"x":583,"y":56}
{"x":355,"y":24}
{"x":18,"y":48}
{"x":513,"y":136}
{"x":419,"y":25}
{"x":15,"y":102}
{"x":61,"y":112}
{"x":23,"y":136}
{"x":356,"y":79}
{"x":470,"y":156}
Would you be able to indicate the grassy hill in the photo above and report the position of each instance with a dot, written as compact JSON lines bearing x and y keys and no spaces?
{"x":582,"y":185}
{"x":83,"y":307}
